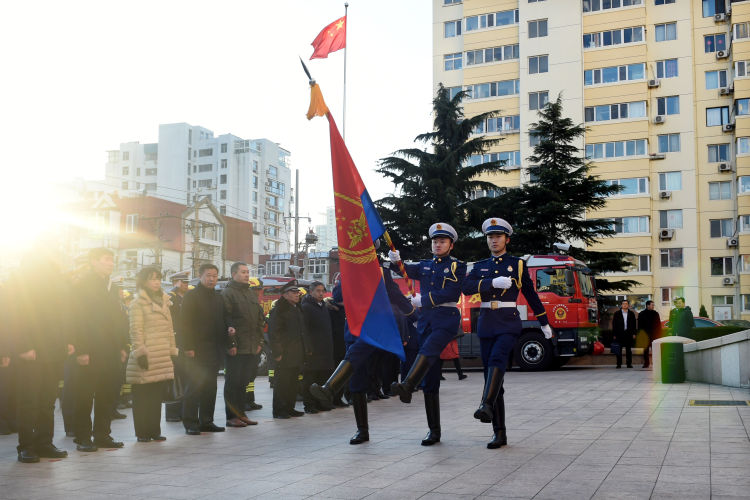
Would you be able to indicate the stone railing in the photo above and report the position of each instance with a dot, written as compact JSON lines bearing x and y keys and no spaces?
{"x":723,"y":360}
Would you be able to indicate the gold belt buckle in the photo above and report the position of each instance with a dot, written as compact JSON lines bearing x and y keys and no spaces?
{"x":494,"y":304}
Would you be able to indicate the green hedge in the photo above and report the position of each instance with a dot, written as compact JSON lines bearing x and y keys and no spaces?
{"x":707,"y":333}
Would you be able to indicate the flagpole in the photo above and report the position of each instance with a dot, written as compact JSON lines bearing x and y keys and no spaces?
{"x":346,"y":27}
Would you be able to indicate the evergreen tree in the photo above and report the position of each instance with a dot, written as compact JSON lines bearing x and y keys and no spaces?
{"x":436,"y":185}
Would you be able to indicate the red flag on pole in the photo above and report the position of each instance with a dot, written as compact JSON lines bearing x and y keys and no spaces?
{"x":331,"y":39}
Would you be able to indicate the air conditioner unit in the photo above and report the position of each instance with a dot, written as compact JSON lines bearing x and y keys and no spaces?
{"x":722,"y":54}
{"x":727,"y":127}
{"x":665,"y":195}
{"x":621,"y":298}
{"x":725,"y":167}
{"x":666,"y":234}
{"x":725,"y":90}
{"x":732,"y":242}
{"x":728,"y":280}
{"x":652,"y":84}
{"x":720,"y":18}
{"x":660,"y":119}
{"x":657,"y":156}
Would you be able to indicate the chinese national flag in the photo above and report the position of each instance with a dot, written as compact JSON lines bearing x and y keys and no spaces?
{"x":331,"y":39}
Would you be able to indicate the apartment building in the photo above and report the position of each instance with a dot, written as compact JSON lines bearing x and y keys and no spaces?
{"x":245,"y":179}
{"x":664,"y":89}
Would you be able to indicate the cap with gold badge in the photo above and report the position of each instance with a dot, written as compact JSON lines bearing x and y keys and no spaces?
{"x":442,"y":229}
{"x":496,"y":225}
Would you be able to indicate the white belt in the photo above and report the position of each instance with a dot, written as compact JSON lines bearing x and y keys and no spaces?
{"x":496,"y":304}
{"x":448,"y":304}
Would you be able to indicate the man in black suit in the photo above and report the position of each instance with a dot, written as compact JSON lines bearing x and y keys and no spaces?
{"x":624,"y":328}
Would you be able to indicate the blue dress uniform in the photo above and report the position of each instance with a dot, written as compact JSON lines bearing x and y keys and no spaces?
{"x":499,"y":324}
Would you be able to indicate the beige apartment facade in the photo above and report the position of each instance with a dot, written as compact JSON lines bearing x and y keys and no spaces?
{"x":663,"y":87}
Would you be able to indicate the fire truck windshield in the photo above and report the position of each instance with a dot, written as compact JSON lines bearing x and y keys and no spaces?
{"x":587,"y":285}
{"x":552,"y":280}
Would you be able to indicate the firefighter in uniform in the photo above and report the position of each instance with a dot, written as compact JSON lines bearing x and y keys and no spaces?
{"x":440,"y":280}
{"x":499,"y":279}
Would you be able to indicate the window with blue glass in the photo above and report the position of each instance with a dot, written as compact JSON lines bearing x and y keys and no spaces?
{"x":496,"y":19}
{"x":453,"y":61}
{"x":716,"y":42}
{"x":669,"y":143}
{"x":713,"y":7}
{"x":616,"y":149}
{"x":742,"y":107}
{"x":667,"y":68}
{"x":615,"y":111}
{"x":665,"y":32}
{"x":492,"y":55}
{"x":595,"y":5}
{"x":717,"y":116}
{"x":614,"y":74}
{"x":493,"y":89}
{"x":668,"y":105}
{"x":718,"y":152}
{"x":613,"y":37}
{"x":716,"y":79}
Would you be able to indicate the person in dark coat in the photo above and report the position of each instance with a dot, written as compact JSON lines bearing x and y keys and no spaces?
{"x":100,"y":340}
{"x":681,"y":318}
{"x":173,"y":411}
{"x":624,"y":329}
{"x":650,"y":322}
{"x":244,"y":321}
{"x":203,"y":335}
{"x":319,"y":345}
{"x":40,"y":345}
{"x":286,"y":335}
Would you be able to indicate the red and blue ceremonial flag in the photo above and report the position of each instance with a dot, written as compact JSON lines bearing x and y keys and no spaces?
{"x":368,"y":309}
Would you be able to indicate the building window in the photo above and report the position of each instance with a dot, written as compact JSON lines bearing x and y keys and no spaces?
{"x":613,"y":37}
{"x":713,"y":7}
{"x":138,"y":172}
{"x":720,"y":190}
{"x":667,"y":68}
{"x":317,"y":266}
{"x":151,"y":186}
{"x":671,"y":257}
{"x":595,"y":5}
{"x":222,"y":195}
{"x":717,"y":116}
{"x":277,"y":268}
{"x":275,"y":187}
{"x":255,"y":165}
{"x":450,"y":2}
{"x":125,"y":156}
{"x":255,"y":182}
{"x":741,"y":69}
{"x":272,"y":171}
{"x":493,"y":89}
{"x":668,"y":105}
{"x":496,"y":19}
{"x":538,"y":64}
{"x":510,"y":158}
{"x":745,"y":303}
{"x":718,"y":153}
{"x":663,"y":2}
{"x":124,"y":185}
{"x":716,"y":79}
{"x":743,"y":145}
{"x":453,"y":91}
{"x":224,"y":147}
{"x":668,"y":293}
{"x":224,"y":163}
{"x":452,"y":29}
{"x":615,"y":111}
{"x":538,"y":100}
{"x":666,"y":32}
{"x":206,"y":152}
{"x":670,"y":181}
{"x":630,"y":225}
{"x":223,"y":210}
{"x":223,"y":179}
{"x":739,"y":30}
{"x":535,"y":1}
{"x":722,"y":300}
{"x":255,"y":197}
{"x":614,"y":74}
{"x":670,"y":219}
{"x":630,"y":186}
{"x":255,"y":212}
{"x":669,"y":143}
{"x":453,"y":61}
{"x":205,"y":167}
{"x":131,"y":223}
{"x":204,"y":183}
{"x":151,"y":171}
{"x":743,"y":264}
{"x":504,"y":124}
{"x":538,"y":28}
{"x":490,"y":55}
{"x":742,"y":107}
{"x":713,"y":43}
{"x":617,"y":149}
{"x":743,"y":184}
{"x":721,"y":228}
{"x":721,"y":266}
{"x":639,"y":263}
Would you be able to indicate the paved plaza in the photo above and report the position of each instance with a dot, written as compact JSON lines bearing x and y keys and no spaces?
{"x":581,"y":432}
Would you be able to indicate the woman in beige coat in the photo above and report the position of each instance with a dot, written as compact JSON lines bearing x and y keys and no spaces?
{"x":153,"y":345}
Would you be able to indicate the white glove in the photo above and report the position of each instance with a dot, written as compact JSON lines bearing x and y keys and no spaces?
{"x":394,"y":256}
{"x":503,"y":282}
{"x":547,"y":331}
{"x":416,"y":301}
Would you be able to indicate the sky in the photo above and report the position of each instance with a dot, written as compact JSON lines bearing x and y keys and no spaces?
{"x":81,"y":77}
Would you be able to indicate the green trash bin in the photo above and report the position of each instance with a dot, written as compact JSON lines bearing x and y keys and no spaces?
{"x":672,"y":363}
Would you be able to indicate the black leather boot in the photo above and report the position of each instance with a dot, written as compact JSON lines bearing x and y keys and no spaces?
{"x":339,"y":377}
{"x":432,"y":408}
{"x":498,"y":424}
{"x":413,"y":378}
{"x":359,"y":402}
{"x":492,"y":385}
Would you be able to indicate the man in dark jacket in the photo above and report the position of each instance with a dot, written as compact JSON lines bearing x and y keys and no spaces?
{"x":650,"y":322}
{"x":624,"y":329}
{"x":40,"y":346}
{"x":286,"y":335}
{"x":244,"y":321}
{"x":101,"y":339}
{"x":681,"y":318}
{"x":180,"y":286}
{"x":319,"y":344}
{"x":203,"y":334}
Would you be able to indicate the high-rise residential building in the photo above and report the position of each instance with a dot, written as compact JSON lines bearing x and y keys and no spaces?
{"x":327,"y":237}
{"x":245,"y":179}
{"x":663,"y":87}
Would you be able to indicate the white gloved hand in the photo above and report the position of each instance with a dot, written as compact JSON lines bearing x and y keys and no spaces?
{"x":394,"y":256}
{"x":416,"y":301}
{"x":503,"y":282}
{"x":547,"y":331}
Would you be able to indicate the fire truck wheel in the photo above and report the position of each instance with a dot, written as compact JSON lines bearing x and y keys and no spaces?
{"x":533,"y":352}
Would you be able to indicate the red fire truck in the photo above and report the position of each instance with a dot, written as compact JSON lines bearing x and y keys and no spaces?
{"x":566,"y":288}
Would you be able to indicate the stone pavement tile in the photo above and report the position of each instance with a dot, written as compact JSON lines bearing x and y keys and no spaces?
{"x":605,"y":459}
{"x":557,"y":489}
{"x":518,"y":487}
{"x":730,"y":459}
{"x":460,"y":486}
{"x":729,"y":490}
{"x":687,"y":458}
{"x":733,"y":476}
{"x":272,"y":495}
{"x":347,"y":492}
{"x":665,"y":489}
{"x":422,"y":481}
{"x":617,"y":494}
{"x":395,"y":494}
{"x":176,"y":492}
{"x":683,"y":474}
{"x":446,"y":496}
{"x":742,"y":447}
{"x":635,"y":473}
{"x":569,"y":446}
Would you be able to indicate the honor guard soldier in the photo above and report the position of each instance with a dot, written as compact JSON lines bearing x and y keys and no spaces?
{"x":499,"y":279}
{"x":440,"y":280}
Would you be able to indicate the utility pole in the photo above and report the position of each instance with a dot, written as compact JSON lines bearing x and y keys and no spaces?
{"x":196,"y":227}
{"x":296,"y":216}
